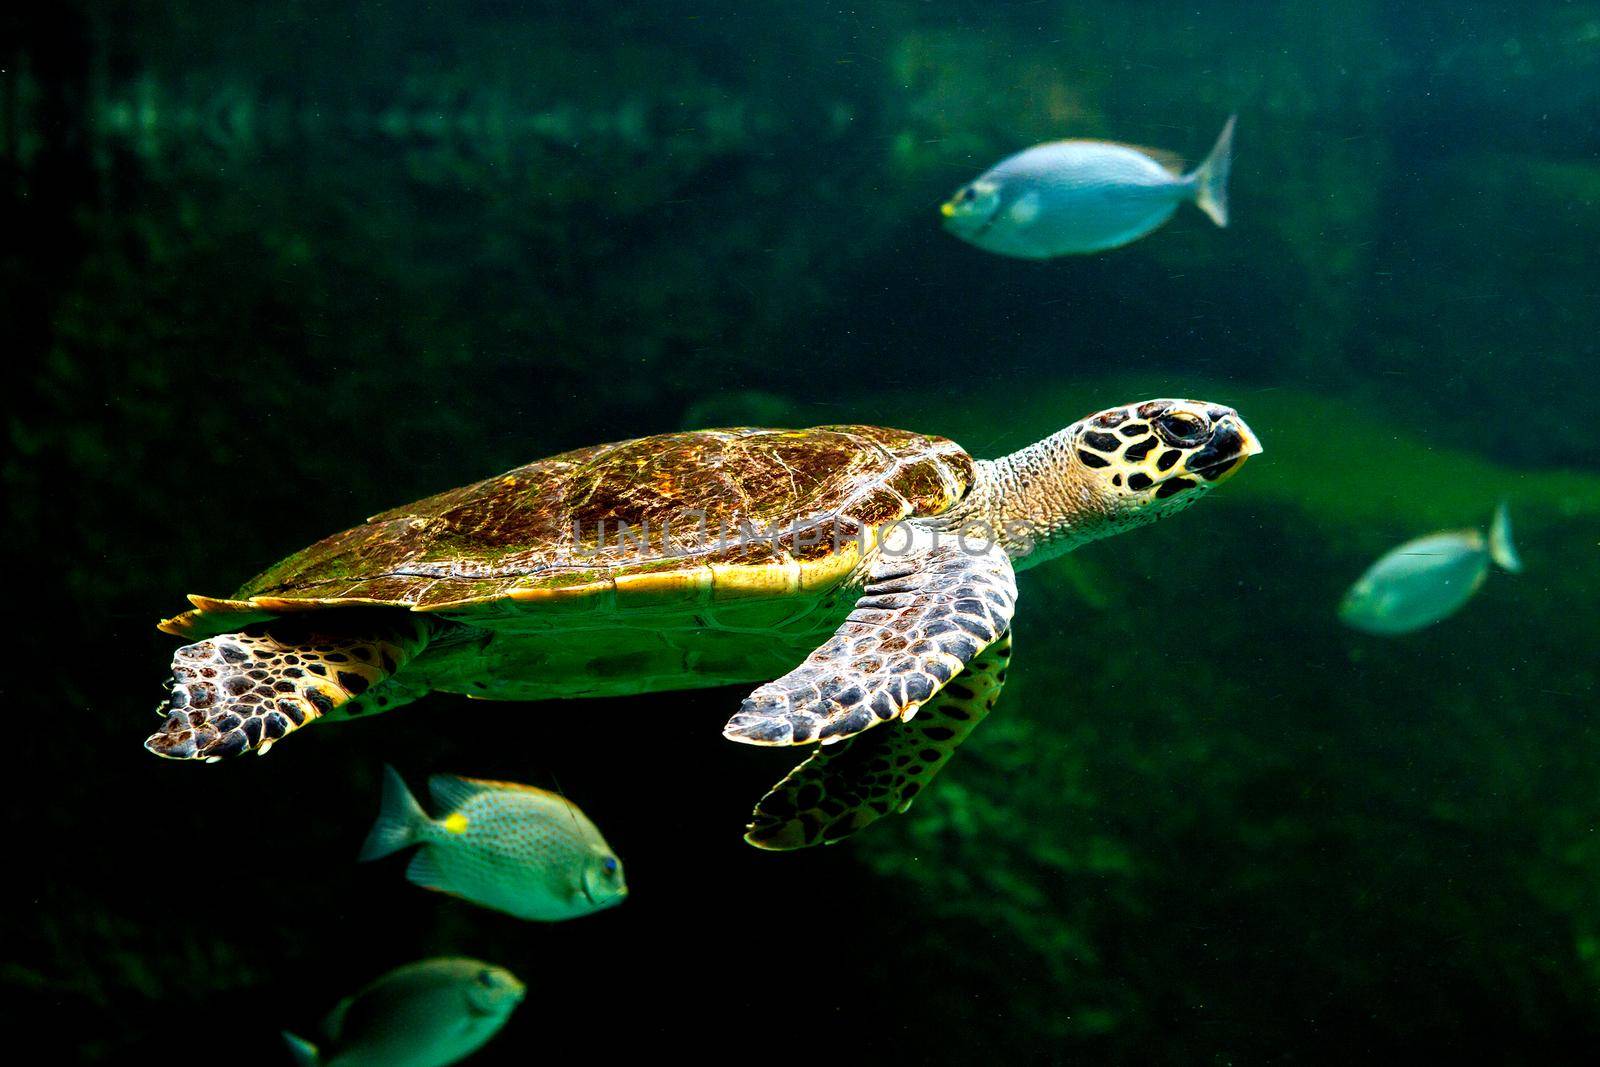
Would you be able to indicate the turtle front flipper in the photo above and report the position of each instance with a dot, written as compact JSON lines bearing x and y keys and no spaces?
{"x":847,"y":786}
{"x":245,"y":690}
{"x":927,"y":610}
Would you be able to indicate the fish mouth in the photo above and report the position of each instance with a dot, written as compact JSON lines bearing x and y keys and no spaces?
{"x":967,"y":225}
{"x":610,"y":899}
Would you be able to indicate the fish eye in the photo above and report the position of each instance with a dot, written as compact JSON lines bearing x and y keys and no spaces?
{"x":1182,"y":428}
{"x":486,"y":979}
{"x":967,"y":194}
{"x":610,"y":864}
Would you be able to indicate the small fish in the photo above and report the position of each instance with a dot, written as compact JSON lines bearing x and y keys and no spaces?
{"x":510,"y":847}
{"x":425,"y":1014}
{"x":1069,"y":197}
{"x":1426,"y":580}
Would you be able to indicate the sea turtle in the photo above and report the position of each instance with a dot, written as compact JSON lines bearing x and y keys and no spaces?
{"x":697,"y":559}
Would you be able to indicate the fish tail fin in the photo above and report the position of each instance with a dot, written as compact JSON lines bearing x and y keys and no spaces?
{"x":304,"y":1052}
{"x":400,"y":818}
{"x":1501,"y":548}
{"x":1211,"y":177}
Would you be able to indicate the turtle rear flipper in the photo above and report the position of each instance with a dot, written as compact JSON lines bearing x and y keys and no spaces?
{"x":245,"y":690}
{"x":845,"y":787}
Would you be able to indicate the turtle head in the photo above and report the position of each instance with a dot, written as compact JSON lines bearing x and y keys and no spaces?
{"x":1121,"y":468}
{"x":1161,"y":455}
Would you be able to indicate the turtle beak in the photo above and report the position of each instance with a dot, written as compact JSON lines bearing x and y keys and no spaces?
{"x":1252,"y":443}
{"x":1232,"y":442}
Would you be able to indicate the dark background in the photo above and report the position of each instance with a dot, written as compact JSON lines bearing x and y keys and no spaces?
{"x":270,"y":268}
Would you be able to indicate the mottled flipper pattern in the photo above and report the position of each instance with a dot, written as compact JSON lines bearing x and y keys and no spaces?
{"x":847,"y":786}
{"x":245,"y":690}
{"x":924,"y":615}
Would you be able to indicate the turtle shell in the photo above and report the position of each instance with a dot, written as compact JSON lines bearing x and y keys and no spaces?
{"x":672,"y":519}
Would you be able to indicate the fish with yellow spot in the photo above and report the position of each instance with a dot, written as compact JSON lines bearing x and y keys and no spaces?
{"x":514,"y":848}
{"x":426,"y":1014}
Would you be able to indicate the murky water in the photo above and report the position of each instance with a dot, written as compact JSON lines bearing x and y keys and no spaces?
{"x":276,"y":270}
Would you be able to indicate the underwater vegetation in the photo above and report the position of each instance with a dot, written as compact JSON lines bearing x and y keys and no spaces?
{"x":270,"y":270}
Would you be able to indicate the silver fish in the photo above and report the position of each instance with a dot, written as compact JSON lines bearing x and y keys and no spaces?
{"x":1070,"y":197}
{"x":514,"y":848}
{"x":1429,"y":579}
{"x":425,"y":1014}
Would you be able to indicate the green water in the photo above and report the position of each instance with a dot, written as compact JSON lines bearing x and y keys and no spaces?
{"x":269,"y":270}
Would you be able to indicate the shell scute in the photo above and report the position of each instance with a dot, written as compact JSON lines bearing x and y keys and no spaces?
{"x":676,"y":518}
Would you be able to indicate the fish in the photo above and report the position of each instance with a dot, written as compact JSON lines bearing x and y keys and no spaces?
{"x":1427,"y":580}
{"x":509,"y":847}
{"x":1075,"y":197}
{"x":425,"y":1014}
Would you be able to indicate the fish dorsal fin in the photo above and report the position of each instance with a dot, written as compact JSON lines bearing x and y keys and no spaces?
{"x":1169,"y":161}
{"x":450,"y":792}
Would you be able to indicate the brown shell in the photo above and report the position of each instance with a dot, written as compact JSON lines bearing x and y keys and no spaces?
{"x":691,"y":502}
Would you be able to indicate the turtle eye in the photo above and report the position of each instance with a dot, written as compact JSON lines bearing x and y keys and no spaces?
{"x":1182,"y":428}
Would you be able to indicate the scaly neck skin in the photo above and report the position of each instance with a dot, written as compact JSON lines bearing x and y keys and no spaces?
{"x":1040,"y":502}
